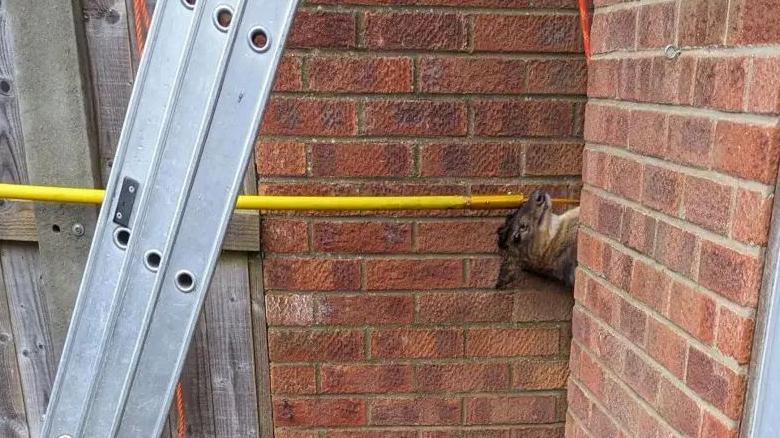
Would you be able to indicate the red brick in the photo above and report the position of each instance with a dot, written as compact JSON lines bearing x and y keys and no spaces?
{"x":602,"y":215}
{"x":322,"y":29}
{"x":408,"y":343}
{"x":555,"y":431}
{"x":311,"y":274}
{"x":444,"y":236}
{"x":542,"y":304}
{"x":690,"y":140}
{"x":288,"y":74}
{"x":633,"y":79}
{"x":308,"y":189}
{"x":527,"y":33}
{"x":602,"y":74}
{"x":656,"y":25}
{"x":309,"y":345}
{"x":734,"y":335}
{"x":606,"y":124}
{"x":751,"y":217}
{"x":472,"y":75}
{"x":650,"y":286}
{"x":623,"y":406}
{"x":669,"y":81}
{"x":366,"y":378}
{"x":414,"y":274}
{"x":532,"y":374}
{"x":633,"y":322}
{"x":638,"y":231}
{"x":712,"y":427}
{"x":720,"y":83}
{"x":483,"y":272}
{"x":553,"y":159}
{"x":477,"y":160}
{"x":590,"y":252}
{"x":676,"y":249}
{"x":557,"y":76}
{"x":594,"y":168}
{"x":602,"y":303}
{"x":516,"y":409}
{"x":600,"y":424}
{"x":419,"y":411}
{"x":615,"y":30}
{"x":618,"y":267}
{"x":747,"y":151}
{"x":764,"y":88}
{"x":313,"y":412}
{"x":361,"y":159}
{"x":694,"y":312}
{"x":538,"y":118}
{"x":362,"y":237}
{"x":647,"y":133}
{"x":732,"y":274}
{"x":707,"y":203}
{"x":680,"y":410}
{"x":298,"y":116}
{"x":751,"y":22}
{"x":293,"y":380}
{"x":280,"y":158}
{"x":289,"y":309}
{"x":382,"y":433}
{"x":291,"y":433}
{"x":703,"y":22}
{"x":460,"y":308}
{"x":666,"y":347}
{"x":525,"y":341}
{"x":461,"y":377}
{"x":715,"y":383}
{"x":284,"y":235}
{"x":623,"y":175}
{"x":428,"y":118}
{"x":415,"y":30}
{"x":662,"y":189}
{"x":465,"y":433}
{"x":360,"y":74}
{"x":364,"y":309}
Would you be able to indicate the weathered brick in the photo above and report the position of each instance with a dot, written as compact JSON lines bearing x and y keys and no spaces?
{"x":415,"y":117}
{"x":676,"y":248}
{"x":414,"y":274}
{"x":293,"y":380}
{"x":750,"y":223}
{"x":747,"y":151}
{"x":594,"y":166}
{"x":690,"y":140}
{"x":311,"y":274}
{"x":525,"y":341}
{"x":380,"y":433}
{"x":602,"y":303}
{"x":633,"y":322}
{"x":606,"y":124}
{"x":703,"y":22}
{"x":414,"y":30}
{"x":751,"y":22}
{"x":707,"y":203}
{"x":538,"y":118}
{"x":361,"y":159}
{"x":410,"y":343}
{"x":472,"y":75}
{"x":656,"y":25}
{"x":284,"y":235}
{"x":475,"y":160}
{"x":618,"y":267}
{"x":666,"y":347}
{"x":347,"y":379}
{"x":764,"y":88}
{"x":622,"y":175}
{"x":288,"y":75}
{"x":712,"y":427}
{"x":602,"y":74}
{"x":362,"y":237}
{"x":527,"y":33}
{"x":600,"y":424}
{"x":680,"y":410}
{"x":557,"y":76}
{"x":293,"y":433}
{"x":638,"y":231}
{"x":483,"y":272}
{"x":665,"y":81}
{"x":364,"y":309}
{"x":640,"y":376}
{"x":280,"y":158}
{"x":650,"y":286}
{"x":693,"y":311}
{"x":466,"y":433}
{"x":443,"y":236}
{"x":533,"y":374}
{"x":647,"y":133}
{"x":614,"y":30}
{"x":734,"y":335}
{"x":732,"y":274}
{"x":516,"y":409}
{"x":716,"y":383}
{"x":461,"y":377}
{"x":360,"y":74}
{"x":449,"y":307}
{"x":299,"y":116}
{"x":314,"y":345}
{"x":313,"y":29}
{"x":556,"y":159}
{"x":544,"y":303}
{"x":419,"y":411}
{"x":662,"y":189}
{"x":289,"y":309}
{"x":317,"y":412}
{"x":590,"y":252}
{"x":720,"y":82}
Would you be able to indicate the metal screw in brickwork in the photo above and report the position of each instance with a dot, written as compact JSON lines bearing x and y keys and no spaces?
{"x":671,"y":51}
{"x":78,"y":230}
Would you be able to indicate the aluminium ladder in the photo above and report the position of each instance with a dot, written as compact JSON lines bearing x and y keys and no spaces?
{"x":198,"y":99}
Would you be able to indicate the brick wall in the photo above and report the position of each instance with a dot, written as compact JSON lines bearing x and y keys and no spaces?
{"x":679,"y":171}
{"x":387,"y":324}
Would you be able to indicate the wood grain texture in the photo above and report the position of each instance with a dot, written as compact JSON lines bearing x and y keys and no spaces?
{"x":13,"y":421}
{"x":260,"y":335}
{"x":196,"y":383}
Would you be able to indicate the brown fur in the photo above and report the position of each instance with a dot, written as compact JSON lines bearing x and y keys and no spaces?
{"x":534,"y":239}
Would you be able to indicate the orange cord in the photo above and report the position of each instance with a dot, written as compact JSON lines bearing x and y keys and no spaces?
{"x":180,"y":410}
{"x":585,"y":24}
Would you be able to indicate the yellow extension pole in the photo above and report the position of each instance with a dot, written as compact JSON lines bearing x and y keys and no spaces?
{"x":326,"y":203}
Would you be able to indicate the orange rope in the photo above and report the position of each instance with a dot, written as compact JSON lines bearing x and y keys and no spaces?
{"x":180,"y":410}
{"x":585,"y":24}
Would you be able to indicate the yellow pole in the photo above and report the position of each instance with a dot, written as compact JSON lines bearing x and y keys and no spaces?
{"x":327,"y":203}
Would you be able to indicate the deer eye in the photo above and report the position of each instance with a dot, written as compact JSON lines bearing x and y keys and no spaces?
{"x":540,"y":199}
{"x":523,"y":228}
